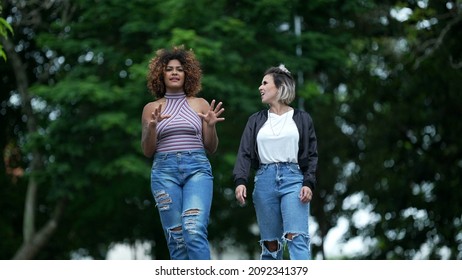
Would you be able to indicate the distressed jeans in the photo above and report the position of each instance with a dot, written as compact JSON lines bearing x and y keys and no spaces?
{"x":182,"y":186}
{"x":280,"y":212}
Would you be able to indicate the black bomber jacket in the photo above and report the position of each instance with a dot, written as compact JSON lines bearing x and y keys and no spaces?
{"x":247,"y":156}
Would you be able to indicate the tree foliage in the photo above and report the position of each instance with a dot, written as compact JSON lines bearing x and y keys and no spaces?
{"x":380,"y":79}
{"x":401,"y":114}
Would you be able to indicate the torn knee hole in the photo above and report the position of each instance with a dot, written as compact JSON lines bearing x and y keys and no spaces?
{"x":191,"y":212}
{"x":161,"y":195}
{"x":272,"y":246}
{"x":176,"y":229}
{"x":163,"y":198}
{"x":291,"y":236}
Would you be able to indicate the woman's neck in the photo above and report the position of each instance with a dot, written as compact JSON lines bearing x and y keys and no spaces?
{"x":279,"y":109}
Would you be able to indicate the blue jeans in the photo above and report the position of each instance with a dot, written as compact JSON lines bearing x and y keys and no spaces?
{"x":280,"y":212}
{"x":182,"y":186}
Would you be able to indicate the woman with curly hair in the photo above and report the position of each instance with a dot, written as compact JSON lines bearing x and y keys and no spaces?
{"x":178,"y":129}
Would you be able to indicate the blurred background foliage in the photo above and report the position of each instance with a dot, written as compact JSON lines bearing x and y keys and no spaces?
{"x":381,"y":79}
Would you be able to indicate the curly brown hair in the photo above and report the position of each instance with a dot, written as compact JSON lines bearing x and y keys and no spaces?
{"x":191,"y":67}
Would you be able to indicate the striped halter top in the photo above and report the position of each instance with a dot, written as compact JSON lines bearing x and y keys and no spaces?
{"x":183,"y":130}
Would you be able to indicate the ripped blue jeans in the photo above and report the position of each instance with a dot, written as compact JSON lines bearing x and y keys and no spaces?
{"x":281,"y":216}
{"x":182,"y":186}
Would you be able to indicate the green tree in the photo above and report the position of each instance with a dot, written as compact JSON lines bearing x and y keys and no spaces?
{"x":74,"y":86}
{"x":90,"y":86}
{"x":81,"y":145}
{"x":5,"y":27}
{"x":400,"y":112}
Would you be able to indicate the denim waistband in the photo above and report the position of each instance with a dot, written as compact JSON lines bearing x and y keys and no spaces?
{"x":189,"y":152}
{"x":278,"y":164}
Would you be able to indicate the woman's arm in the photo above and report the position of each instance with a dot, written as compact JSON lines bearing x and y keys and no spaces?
{"x":149,"y":119}
{"x":210,"y":116}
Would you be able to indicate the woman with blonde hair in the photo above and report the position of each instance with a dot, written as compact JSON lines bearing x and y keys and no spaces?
{"x":280,"y":144}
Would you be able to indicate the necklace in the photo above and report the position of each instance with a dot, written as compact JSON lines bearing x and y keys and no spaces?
{"x":271,"y":125}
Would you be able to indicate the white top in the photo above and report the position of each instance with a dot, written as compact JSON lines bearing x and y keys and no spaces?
{"x":278,"y":138}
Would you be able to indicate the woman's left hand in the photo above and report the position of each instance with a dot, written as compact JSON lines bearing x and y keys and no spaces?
{"x":212,"y":116}
{"x":305,"y":194}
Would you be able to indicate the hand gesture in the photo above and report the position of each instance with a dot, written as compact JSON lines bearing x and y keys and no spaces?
{"x":212,"y":116}
{"x":157,"y":117}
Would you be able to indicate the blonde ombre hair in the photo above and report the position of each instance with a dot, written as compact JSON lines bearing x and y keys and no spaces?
{"x":284,"y":82}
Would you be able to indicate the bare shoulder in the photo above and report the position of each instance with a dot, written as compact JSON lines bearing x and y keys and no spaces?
{"x":151,"y":106}
{"x":154,"y":104}
{"x":199,"y":104}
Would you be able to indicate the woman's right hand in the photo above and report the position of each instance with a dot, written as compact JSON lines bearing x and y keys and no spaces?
{"x":157,"y":117}
{"x":150,"y":118}
{"x":241,"y":194}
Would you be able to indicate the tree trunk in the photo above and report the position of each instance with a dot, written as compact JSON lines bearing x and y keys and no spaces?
{"x":30,"y":248}
{"x":33,"y":241}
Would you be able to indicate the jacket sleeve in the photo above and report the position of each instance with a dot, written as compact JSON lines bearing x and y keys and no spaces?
{"x":308,"y":149}
{"x":311,"y":146}
{"x":243,"y":161}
